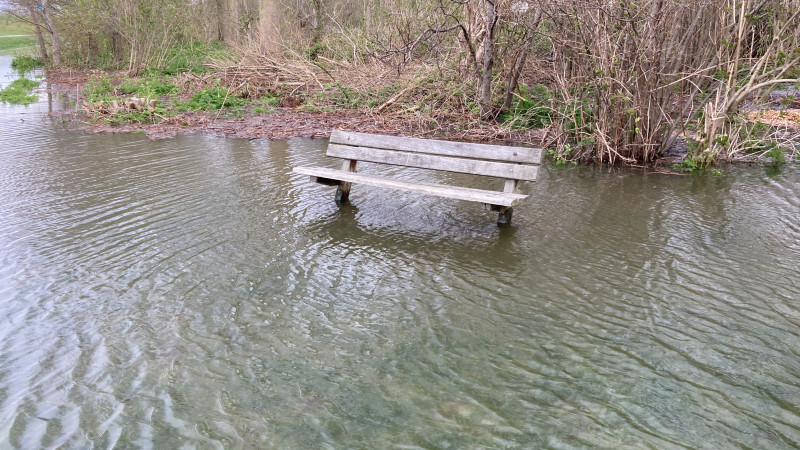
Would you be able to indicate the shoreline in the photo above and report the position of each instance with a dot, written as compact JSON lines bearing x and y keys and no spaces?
{"x":286,"y":122}
{"x":283,"y":122}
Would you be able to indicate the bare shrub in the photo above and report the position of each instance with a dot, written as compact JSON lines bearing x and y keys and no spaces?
{"x":756,"y":49}
{"x":631,"y":75}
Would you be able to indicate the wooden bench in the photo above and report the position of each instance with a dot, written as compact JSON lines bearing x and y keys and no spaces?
{"x":513,"y":164}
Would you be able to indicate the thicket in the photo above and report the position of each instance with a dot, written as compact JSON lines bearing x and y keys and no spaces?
{"x":608,"y":81}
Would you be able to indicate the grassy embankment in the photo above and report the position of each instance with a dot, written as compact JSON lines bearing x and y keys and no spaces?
{"x":15,"y":36}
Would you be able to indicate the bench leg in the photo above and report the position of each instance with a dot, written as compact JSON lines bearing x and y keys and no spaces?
{"x":343,"y":193}
{"x":504,"y":218}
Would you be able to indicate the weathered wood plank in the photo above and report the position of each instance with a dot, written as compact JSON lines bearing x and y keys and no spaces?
{"x":454,"y":192}
{"x":522,"y":155}
{"x":511,"y":186}
{"x":446,"y":163}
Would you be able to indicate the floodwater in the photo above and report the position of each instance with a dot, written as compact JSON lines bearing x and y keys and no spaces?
{"x":192,"y":293}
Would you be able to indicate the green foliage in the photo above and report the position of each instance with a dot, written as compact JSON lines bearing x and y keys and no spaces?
{"x":754,"y":137}
{"x":690,"y":165}
{"x":147,"y":116}
{"x":339,"y":46}
{"x":259,"y":110}
{"x":698,"y":159}
{"x":577,"y":116}
{"x":530,"y":110}
{"x":269,"y":100}
{"x":23,"y":64}
{"x":98,"y":88}
{"x":776,"y":155}
{"x":150,"y":87}
{"x":561,"y":157}
{"x":19,"y":92}
{"x":191,"y":57}
{"x":214,"y":98}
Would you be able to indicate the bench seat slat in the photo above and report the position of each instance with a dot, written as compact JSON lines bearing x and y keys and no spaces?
{"x":454,"y":192}
{"x":522,"y":155}
{"x":446,"y":163}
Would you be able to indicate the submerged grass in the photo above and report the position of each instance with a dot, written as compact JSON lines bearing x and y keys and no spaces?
{"x":19,"y":92}
{"x":23,"y":64}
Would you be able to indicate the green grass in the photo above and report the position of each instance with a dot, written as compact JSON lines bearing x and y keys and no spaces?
{"x":16,"y":43}
{"x":10,"y":40}
{"x":10,"y":25}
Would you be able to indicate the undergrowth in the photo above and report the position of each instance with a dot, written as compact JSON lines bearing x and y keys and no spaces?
{"x":530,"y":108}
{"x":192,"y":57}
{"x":150,"y":87}
{"x":214,"y":98}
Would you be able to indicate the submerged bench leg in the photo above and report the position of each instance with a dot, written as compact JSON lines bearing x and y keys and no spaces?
{"x":343,"y":191}
{"x":504,"y":218}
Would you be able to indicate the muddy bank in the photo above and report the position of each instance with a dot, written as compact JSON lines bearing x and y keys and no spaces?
{"x":287,"y":123}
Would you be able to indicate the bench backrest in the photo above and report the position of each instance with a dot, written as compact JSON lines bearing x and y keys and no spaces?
{"x":513,"y":163}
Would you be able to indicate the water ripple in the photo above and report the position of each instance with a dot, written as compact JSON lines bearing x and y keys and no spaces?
{"x":194,"y":292}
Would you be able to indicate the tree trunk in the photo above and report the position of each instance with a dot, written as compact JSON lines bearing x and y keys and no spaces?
{"x":519,"y":61}
{"x":316,"y":37}
{"x":93,"y":49}
{"x":488,"y":60}
{"x":269,"y":32}
{"x":119,"y":50}
{"x":40,"y":36}
{"x":51,"y":28}
{"x":229,"y":20}
{"x":513,"y":76}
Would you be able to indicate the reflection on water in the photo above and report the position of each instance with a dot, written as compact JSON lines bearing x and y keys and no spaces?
{"x":193,"y":292}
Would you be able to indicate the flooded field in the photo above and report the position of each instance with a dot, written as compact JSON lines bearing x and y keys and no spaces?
{"x":192,"y":293}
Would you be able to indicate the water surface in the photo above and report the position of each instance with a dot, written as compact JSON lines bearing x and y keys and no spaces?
{"x":193,"y":293}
